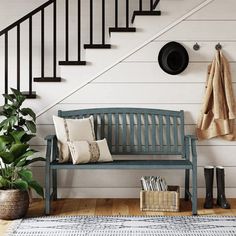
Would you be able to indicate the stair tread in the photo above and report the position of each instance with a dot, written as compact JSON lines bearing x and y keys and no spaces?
{"x":97,"y":46}
{"x":122,"y":29}
{"x":47,"y":79}
{"x":145,"y":13}
{"x":72,"y":63}
{"x":29,"y":95}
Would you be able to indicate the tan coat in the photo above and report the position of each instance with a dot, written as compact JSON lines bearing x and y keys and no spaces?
{"x":218,"y":113}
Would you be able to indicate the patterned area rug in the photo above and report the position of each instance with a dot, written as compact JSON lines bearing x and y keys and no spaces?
{"x":125,"y":226}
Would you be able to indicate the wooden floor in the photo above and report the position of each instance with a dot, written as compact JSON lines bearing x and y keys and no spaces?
{"x":113,"y":207}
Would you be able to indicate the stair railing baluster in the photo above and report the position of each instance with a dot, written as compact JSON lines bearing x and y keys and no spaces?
{"x":150,"y":12}
{"x":67,"y":61}
{"x":17,"y":25}
{"x":103,"y":44}
{"x":79,"y":30}
{"x":67,"y":30}
{"x":30,"y":56}
{"x":42,"y":43}
{"x":18,"y":58}
{"x":127,"y":13}
{"x":6,"y":64}
{"x":55,"y":39}
{"x":91,"y":22}
{"x":151,"y":5}
{"x":154,"y":5}
{"x":125,"y":28}
{"x":103,"y":22}
{"x":116,"y":13}
{"x":140,"y":5}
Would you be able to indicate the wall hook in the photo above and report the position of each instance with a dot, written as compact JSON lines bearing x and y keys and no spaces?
{"x":196,"y":46}
{"x":218,"y":46}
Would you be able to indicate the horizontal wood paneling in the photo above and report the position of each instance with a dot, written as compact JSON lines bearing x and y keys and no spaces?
{"x":217,"y":10}
{"x":150,"y":52}
{"x":133,"y":72}
{"x":202,"y":30}
{"x":140,"y":93}
{"x":124,"y":178}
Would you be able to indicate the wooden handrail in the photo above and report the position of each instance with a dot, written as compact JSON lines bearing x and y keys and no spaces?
{"x":26,"y":17}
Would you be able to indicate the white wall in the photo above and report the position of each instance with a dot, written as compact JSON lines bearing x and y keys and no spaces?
{"x":138,"y":81}
{"x":98,"y":60}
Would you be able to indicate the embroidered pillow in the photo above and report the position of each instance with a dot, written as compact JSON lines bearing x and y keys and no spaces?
{"x":85,"y":151}
{"x":70,"y":130}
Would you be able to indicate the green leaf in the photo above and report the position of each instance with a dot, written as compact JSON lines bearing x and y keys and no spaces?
{"x":8,"y":123}
{"x":26,"y":175}
{"x":9,"y":97}
{"x":17,"y":135}
{"x":28,"y":111}
{"x":2,"y":111}
{"x":4,"y":183}
{"x":36,"y":186}
{"x":4,"y":140}
{"x":34,"y":160}
{"x":18,"y":98}
{"x":20,"y":162}
{"x":31,"y":126}
{"x":18,"y":150}
{"x":24,"y":157}
{"x":16,"y":92}
{"x":20,"y":184}
{"x":7,"y":157}
{"x":27,"y":137}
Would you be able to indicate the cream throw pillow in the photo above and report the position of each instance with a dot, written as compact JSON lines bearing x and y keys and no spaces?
{"x":84,"y":151}
{"x":71,"y":130}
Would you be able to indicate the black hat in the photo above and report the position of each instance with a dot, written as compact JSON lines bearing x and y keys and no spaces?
{"x":173,"y":58}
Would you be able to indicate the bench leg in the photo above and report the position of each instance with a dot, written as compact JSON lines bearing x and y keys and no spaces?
{"x":186,"y":197}
{"x":54,"y":184}
{"x":47,"y":189}
{"x":194,"y":193}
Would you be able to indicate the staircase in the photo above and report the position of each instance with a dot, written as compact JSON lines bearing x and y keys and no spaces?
{"x":43,"y":76}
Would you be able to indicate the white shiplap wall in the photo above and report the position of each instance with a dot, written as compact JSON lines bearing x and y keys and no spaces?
{"x":138,"y":81}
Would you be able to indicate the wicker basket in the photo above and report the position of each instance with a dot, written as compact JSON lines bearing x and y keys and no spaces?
{"x":14,"y":204}
{"x":160,"y":200}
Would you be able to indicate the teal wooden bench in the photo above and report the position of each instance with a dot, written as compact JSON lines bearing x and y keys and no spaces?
{"x":132,"y":131}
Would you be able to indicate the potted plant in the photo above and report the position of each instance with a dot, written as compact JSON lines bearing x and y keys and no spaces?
{"x":17,"y":128}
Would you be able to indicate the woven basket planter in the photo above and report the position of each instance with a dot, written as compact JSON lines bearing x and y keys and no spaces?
{"x":160,"y":200}
{"x":14,"y":204}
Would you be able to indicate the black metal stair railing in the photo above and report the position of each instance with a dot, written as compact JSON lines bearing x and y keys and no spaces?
{"x":118,"y":28}
{"x":149,"y":12}
{"x":5,"y":32}
{"x":91,"y":44}
{"x":67,"y":61}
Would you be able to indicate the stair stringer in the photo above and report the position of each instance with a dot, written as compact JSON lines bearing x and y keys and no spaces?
{"x":102,"y":60}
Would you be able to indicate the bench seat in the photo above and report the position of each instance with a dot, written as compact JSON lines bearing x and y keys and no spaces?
{"x":128,"y":164}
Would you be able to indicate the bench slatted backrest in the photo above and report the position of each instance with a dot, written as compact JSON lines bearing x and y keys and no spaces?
{"x":136,"y":131}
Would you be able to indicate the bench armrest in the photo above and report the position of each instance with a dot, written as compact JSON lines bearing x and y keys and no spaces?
{"x":51,"y":152}
{"x":190,"y":145}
